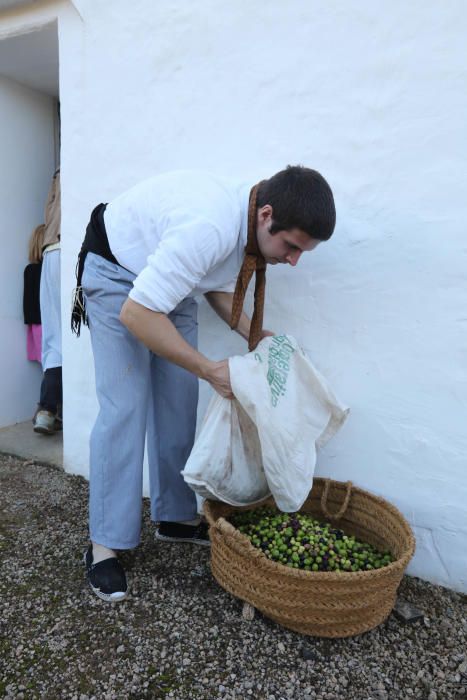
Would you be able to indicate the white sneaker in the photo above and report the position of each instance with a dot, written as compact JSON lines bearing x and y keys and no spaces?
{"x":44,"y":422}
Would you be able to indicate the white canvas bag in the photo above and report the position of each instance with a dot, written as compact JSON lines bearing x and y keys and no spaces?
{"x":264,"y":441}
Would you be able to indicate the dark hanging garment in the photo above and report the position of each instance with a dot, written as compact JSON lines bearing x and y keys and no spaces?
{"x":95,"y":241}
{"x":31,"y":295}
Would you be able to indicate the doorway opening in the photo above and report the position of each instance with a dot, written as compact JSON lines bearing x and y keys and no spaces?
{"x":30,"y":146}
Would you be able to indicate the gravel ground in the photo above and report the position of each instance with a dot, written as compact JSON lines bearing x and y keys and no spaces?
{"x":179,"y":635}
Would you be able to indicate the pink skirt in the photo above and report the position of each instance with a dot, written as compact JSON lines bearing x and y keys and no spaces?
{"x":34,"y":342}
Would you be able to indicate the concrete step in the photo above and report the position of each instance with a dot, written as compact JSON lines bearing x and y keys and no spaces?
{"x":21,"y":440}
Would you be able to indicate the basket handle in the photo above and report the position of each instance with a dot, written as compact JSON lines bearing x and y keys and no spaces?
{"x":219,"y":523}
{"x":324,"y":498}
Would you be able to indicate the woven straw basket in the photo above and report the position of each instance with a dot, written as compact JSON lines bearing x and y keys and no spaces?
{"x":322,"y":604}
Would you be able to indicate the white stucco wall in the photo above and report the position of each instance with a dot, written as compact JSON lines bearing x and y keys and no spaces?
{"x":27,"y":164}
{"x":371,"y":94}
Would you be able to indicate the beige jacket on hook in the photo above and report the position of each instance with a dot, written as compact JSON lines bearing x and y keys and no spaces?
{"x":53,"y":213}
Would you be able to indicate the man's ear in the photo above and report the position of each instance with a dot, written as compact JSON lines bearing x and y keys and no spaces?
{"x":265,"y":213}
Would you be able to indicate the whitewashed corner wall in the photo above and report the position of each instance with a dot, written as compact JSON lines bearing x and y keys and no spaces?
{"x":374,"y":96}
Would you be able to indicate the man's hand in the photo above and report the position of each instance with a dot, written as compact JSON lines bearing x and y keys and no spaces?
{"x":218,"y":376}
{"x":266,"y":334}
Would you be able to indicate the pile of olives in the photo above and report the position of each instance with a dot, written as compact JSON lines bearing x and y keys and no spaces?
{"x":299,"y":541}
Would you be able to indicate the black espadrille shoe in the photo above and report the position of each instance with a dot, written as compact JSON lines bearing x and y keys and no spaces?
{"x":107,"y":578}
{"x":179,"y":532}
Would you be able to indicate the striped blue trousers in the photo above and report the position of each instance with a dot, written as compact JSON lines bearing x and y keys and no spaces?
{"x":138,"y":393}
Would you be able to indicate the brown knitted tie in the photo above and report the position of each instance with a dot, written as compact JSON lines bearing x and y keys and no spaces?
{"x":253,"y":262}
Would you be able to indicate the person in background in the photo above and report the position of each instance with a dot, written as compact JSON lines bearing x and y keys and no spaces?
{"x":31,"y":295}
{"x":48,"y":417}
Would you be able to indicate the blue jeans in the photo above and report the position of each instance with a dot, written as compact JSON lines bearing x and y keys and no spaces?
{"x":136,"y":390}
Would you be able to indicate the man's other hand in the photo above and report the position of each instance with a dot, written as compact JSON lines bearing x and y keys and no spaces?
{"x":266,"y":334}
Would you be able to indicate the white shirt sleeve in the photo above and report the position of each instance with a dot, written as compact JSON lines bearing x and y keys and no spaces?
{"x":186,"y":253}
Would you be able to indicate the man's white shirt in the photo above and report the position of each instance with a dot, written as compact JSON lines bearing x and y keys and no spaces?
{"x":181,"y":233}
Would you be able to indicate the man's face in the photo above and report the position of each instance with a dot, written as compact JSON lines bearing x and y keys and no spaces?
{"x":284,"y":247}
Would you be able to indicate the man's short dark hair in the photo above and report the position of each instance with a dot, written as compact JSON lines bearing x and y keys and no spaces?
{"x":300,"y":198}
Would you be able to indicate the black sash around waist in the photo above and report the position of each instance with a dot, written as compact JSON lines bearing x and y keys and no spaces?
{"x":95,"y":241}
